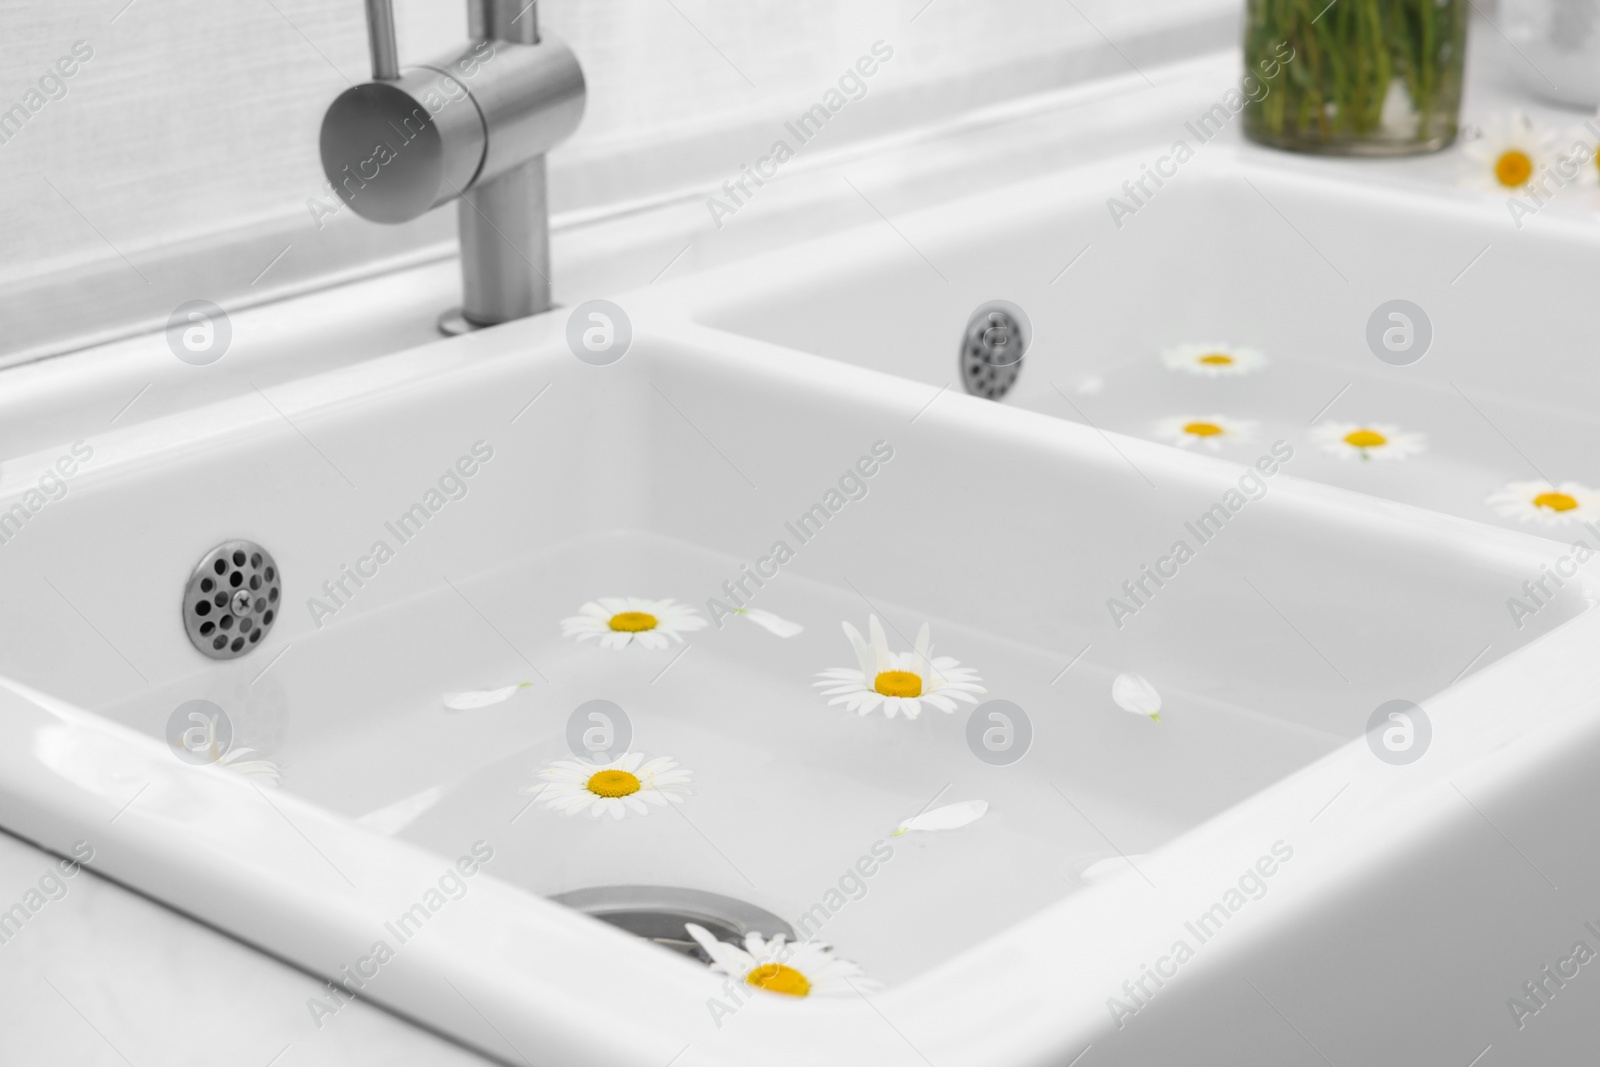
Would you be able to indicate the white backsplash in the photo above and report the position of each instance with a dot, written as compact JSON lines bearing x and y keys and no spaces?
{"x":191,"y":139}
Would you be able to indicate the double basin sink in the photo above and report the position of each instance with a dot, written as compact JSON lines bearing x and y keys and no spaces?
{"x":1260,"y":873}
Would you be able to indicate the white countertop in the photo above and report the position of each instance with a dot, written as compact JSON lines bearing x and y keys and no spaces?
{"x":103,"y":977}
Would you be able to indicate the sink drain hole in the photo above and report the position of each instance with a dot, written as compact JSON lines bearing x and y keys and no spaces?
{"x":231,"y":600}
{"x":658,"y":914}
{"x":996,"y":338}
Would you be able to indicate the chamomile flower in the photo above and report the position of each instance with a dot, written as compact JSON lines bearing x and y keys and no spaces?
{"x":801,"y":969}
{"x":1579,"y":149}
{"x":626,"y":785}
{"x":1212,"y":431}
{"x":202,"y":740}
{"x":621,"y":621}
{"x":1213,"y":360}
{"x":1547,"y":504}
{"x":1509,"y":152}
{"x":1368,"y":440}
{"x":898,"y":681}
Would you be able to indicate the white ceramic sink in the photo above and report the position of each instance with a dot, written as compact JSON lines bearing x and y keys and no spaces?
{"x":1290,"y":258}
{"x":662,"y":475}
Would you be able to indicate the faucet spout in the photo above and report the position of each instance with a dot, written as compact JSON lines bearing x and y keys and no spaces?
{"x":474,"y":127}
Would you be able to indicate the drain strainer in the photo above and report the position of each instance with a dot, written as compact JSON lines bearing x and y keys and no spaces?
{"x":657,"y":913}
{"x":992,"y":348}
{"x":231,"y":599}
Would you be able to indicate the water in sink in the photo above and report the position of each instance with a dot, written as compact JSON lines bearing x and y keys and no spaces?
{"x":789,"y":793}
{"x":1014,"y":539}
{"x":1249,"y":251}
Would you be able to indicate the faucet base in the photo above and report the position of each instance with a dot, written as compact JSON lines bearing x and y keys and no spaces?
{"x":454,"y":323}
{"x":505,"y":246}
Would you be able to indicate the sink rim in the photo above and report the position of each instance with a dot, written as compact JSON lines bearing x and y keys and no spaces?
{"x":981,"y":984}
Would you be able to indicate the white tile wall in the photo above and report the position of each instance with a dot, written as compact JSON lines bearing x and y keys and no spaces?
{"x":192,"y":130}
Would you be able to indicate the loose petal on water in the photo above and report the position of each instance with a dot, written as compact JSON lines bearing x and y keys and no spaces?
{"x":1113,"y":865}
{"x":770,"y":622}
{"x":391,"y":820}
{"x":1133,"y":692}
{"x":480,"y":698}
{"x":949,"y":817}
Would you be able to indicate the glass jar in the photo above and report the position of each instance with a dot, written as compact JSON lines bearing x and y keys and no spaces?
{"x":1354,"y":77}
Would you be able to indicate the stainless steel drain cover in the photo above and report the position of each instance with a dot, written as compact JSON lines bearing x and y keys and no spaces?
{"x":657,"y":913}
{"x":232,"y":599}
{"x":996,"y":339}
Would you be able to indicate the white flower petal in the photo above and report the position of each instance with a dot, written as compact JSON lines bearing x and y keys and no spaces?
{"x":949,"y":817}
{"x":1102,"y":869}
{"x":880,"y":646}
{"x":770,"y":622}
{"x":390,"y":820}
{"x":1133,"y":692}
{"x":480,"y":698}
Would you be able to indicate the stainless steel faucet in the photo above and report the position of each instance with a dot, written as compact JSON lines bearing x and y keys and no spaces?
{"x":472,"y":126}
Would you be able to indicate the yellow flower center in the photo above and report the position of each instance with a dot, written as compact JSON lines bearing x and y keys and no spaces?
{"x":1217,"y":359}
{"x":631,"y":622}
{"x":1555,"y":501}
{"x":1513,"y":168}
{"x":898,"y":684}
{"x":1365,"y":439}
{"x":777,"y":978}
{"x":613,"y":784}
{"x":1203,"y":429}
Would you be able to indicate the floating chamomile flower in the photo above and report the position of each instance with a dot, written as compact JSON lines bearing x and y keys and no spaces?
{"x":1133,"y":692}
{"x":1213,"y":360}
{"x":770,"y":622}
{"x":202,"y":738}
{"x":802,"y":969}
{"x":1368,"y":440}
{"x":481,"y":698}
{"x":898,"y":681}
{"x":621,"y":621}
{"x":1577,"y":150}
{"x":1509,"y":152}
{"x":1547,"y":504}
{"x":264,"y":770}
{"x":949,"y":817}
{"x":625,"y":785}
{"x":1211,"y":431}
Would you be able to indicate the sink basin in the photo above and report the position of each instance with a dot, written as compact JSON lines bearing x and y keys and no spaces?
{"x":1298,"y":610}
{"x":1289,"y":259}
